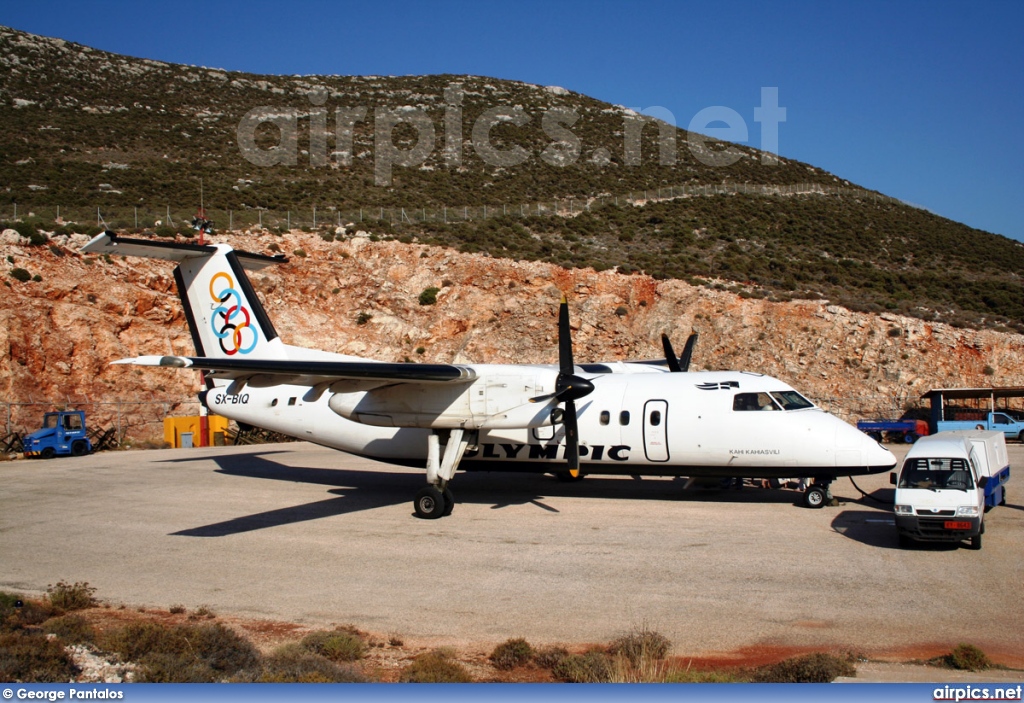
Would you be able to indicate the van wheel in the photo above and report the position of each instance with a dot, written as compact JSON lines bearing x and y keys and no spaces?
{"x":976,"y":542}
{"x":906,"y":542}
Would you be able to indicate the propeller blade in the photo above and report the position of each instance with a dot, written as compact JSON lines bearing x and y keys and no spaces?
{"x":670,"y":354}
{"x":572,"y":439}
{"x":565,"y":364}
{"x":684,"y":360}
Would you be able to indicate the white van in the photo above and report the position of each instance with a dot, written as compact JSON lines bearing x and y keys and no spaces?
{"x":947,"y":482}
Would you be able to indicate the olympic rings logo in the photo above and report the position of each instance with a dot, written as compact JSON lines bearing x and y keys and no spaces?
{"x":232,"y":333}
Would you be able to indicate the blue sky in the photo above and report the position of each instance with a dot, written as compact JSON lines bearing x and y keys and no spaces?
{"x":920,"y":100}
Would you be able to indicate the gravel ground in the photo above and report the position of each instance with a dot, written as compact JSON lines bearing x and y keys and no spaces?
{"x":302,"y":534}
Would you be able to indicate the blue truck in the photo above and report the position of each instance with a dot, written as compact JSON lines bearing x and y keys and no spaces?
{"x":907,"y":430}
{"x":994,"y":421}
{"x":62,"y":434}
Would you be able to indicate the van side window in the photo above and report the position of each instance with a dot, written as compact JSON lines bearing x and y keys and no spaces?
{"x":624,"y":417}
{"x":606,"y":417}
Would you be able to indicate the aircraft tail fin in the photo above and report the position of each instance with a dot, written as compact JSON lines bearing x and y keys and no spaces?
{"x":225,"y":317}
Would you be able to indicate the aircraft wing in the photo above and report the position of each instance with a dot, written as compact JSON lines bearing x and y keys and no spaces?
{"x":314,"y":372}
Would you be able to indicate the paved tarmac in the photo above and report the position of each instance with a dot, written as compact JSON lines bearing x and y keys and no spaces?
{"x":304,"y":534}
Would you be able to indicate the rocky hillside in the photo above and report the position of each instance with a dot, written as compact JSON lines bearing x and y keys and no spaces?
{"x":59,"y":333}
{"x":479,"y":165}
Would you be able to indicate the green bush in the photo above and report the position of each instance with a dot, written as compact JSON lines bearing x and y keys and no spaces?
{"x":436,"y":666}
{"x":20,"y":274}
{"x":810,"y":668}
{"x":71,"y":596}
{"x":429,"y":296}
{"x":512,"y":653}
{"x":363,"y":317}
{"x":338,"y":645}
{"x":967,"y":657}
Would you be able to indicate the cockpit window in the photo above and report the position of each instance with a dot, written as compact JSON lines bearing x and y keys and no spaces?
{"x":936,"y":473}
{"x":753,"y":401}
{"x":791,"y":400}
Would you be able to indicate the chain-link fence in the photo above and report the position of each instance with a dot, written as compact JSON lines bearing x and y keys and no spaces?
{"x":137,"y":217}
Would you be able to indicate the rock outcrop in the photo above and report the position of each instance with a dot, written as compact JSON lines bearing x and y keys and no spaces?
{"x":59,"y":334}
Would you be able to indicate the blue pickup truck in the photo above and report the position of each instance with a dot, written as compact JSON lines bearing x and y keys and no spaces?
{"x":997,"y":421}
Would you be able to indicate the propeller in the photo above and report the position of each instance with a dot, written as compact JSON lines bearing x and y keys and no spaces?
{"x":568,"y":389}
{"x":681,"y":364}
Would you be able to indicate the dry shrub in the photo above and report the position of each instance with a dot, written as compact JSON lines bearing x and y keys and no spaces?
{"x":436,"y":666}
{"x":71,"y":629}
{"x":967,"y":657}
{"x":341,"y":644}
{"x":292,"y":663}
{"x":640,"y":646}
{"x":592,"y":667}
{"x":71,"y":596}
{"x":810,"y":668}
{"x":183,"y":653}
{"x":549,"y":657}
{"x":34,"y":658}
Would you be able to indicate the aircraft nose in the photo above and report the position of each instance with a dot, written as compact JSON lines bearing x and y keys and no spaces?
{"x":856,"y":449}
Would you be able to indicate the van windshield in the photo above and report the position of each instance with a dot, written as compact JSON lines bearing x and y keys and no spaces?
{"x":936,"y":473}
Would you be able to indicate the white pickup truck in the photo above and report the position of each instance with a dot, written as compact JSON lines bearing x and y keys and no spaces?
{"x":947,"y":483}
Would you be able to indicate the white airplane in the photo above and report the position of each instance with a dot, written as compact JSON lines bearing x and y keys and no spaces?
{"x":632,"y":418}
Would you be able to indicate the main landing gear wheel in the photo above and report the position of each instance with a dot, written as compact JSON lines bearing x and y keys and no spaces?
{"x":449,"y":501}
{"x":429,"y":503}
{"x":815,"y":497}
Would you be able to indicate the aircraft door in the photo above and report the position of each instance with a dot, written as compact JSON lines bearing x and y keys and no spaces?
{"x":656,"y":430}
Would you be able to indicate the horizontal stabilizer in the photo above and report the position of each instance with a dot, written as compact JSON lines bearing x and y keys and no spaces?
{"x":110,"y":243}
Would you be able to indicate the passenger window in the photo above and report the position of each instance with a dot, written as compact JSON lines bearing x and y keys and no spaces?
{"x":655,"y":418}
{"x":753,"y":401}
{"x":606,"y":417}
{"x":624,"y":417}
{"x":273,"y":403}
{"x":291,"y":401}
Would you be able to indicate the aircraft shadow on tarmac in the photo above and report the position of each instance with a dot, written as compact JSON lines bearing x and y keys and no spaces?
{"x":359,"y":490}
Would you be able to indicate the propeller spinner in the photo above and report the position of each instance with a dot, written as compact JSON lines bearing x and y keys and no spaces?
{"x":568,"y":389}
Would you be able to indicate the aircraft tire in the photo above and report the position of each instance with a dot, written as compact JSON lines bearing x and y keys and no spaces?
{"x":815,"y":497}
{"x":449,"y":501}
{"x":429,"y":503}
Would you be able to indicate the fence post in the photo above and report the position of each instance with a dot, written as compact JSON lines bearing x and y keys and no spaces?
{"x":314,"y":217}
